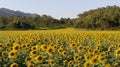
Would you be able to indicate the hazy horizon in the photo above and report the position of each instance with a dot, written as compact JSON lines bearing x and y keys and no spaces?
{"x":56,"y":9}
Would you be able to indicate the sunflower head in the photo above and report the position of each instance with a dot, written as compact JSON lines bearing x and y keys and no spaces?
{"x":23,"y":46}
{"x":51,"y":62}
{"x":33,"y":52}
{"x":94,"y":60}
{"x":14,"y":65}
{"x":28,"y":59}
{"x":33,"y":48}
{"x":1,"y":46}
{"x":87,"y":64}
{"x":7,"y":45}
{"x":90,"y":50}
{"x":38,"y":59}
{"x":86,"y":56}
{"x":117,"y":52}
{"x":28,"y":45}
{"x":64,"y":53}
{"x":95,"y":52}
{"x":12,"y":54}
{"x":73,"y":44}
{"x":70,"y":62}
{"x":44,"y":47}
{"x":50,"y":51}
{"x":102,"y":54}
{"x":60,"y":50}
{"x":107,"y":65}
{"x":116,"y":65}
{"x":65,"y":62}
{"x":30,"y":65}
{"x":79,"y":48}
{"x":76,"y":56}
{"x":16,"y":47}
{"x":102,"y":59}
{"x":4,"y":53}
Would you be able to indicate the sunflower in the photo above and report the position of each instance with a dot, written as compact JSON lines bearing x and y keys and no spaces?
{"x":70,"y":62}
{"x":16,"y":47}
{"x":65,"y":62}
{"x":86,"y":56}
{"x":33,"y":48}
{"x":117,"y":52}
{"x":72,"y":45}
{"x":73,"y":62}
{"x":110,"y":48}
{"x":33,"y":52}
{"x":7,"y":45}
{"x":116,"y":65}
{"x":95,"y":52}
{"x":87,"y":64}
{"x":107,"y":65}
{"x":38,"y":47}
{"x":64,"y":53}
{"x":60,"y":50}
{"x":102,"y":54}
{"x":44,"y":47}
{"x":54,"y":46}
{"x":102,"y":59}
{"x":84,"y":48}
{"x":76,"y":56}
{"x":4,"y":53}
{"x":79,"y":48}
{"x":94,"y":60}
{"x":14,"y":65}
{"x":79,"y":58}
{"x":90,"y":50}
{"x":51,"y":62}
{"x":38,"y":59}
{"x":1,"y":46}
{"x":118,"y":45}
{"x":30,"y":65}
{"x":12,"y":54}
{"x":50,"y":51}
{"x":28,"y":59}
{"x":57,"y":41}
{"x":24,"y":46}
{"x":97,"y":48}
{"x":27,"y":45}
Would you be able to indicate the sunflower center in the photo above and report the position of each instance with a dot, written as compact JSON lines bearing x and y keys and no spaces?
{"x":39,"y":58}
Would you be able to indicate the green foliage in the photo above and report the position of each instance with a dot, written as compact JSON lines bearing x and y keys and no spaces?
{"x":105,"y":18}
{"x":23,"y":22}
{"x":101,"y":18}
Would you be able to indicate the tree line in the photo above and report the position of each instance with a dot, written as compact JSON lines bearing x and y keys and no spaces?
{"x":38,"y":22}
{"x":97,"y":19}
{"x":101,"y":18}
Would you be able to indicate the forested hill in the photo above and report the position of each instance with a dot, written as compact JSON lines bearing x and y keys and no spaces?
{"x":101,"y":18}
{"x":104,"y":18}
{"x":9,"y":12}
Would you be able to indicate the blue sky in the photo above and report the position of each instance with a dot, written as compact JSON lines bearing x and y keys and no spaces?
{"x":56,"y":8}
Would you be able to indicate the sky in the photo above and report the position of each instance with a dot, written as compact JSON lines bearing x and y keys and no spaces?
{"x":56,"y":8}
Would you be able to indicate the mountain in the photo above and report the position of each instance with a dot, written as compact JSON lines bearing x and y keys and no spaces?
{"x":8,"y":12}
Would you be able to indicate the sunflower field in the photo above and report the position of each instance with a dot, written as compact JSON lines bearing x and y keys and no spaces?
{"x":59,"y":48}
